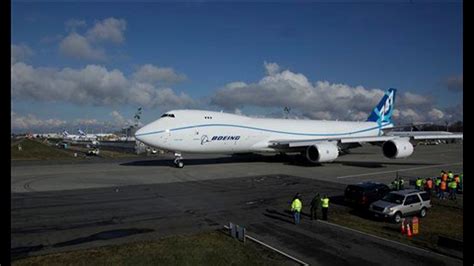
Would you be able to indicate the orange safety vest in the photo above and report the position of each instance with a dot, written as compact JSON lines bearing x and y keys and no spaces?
{"x":444,"y":177}
{"x":443,"y":185}
{"x":429,"y":184}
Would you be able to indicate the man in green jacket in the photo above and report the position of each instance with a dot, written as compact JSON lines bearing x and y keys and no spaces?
{"x":325,"y":207}
{"x":296,"y":207}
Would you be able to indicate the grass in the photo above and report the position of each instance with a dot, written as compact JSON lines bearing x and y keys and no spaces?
{"x":37,"y":150}
{"x":214,"y":248}
{"x":445,"y":218}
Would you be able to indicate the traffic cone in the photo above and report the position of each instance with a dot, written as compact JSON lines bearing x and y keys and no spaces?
{"x":403,"y":227}
{"x":408,"y":230}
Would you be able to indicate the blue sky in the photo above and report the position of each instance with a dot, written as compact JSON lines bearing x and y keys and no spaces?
{"x":194,"y":52}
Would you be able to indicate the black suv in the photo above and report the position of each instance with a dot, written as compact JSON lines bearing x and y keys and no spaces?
{"x":363,"y":194}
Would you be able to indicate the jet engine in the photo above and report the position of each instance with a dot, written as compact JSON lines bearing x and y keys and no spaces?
{"x":322,"y":152}
{"x":397,"y":148}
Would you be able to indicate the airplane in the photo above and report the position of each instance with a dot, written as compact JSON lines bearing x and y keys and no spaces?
{"x":199,"y":131}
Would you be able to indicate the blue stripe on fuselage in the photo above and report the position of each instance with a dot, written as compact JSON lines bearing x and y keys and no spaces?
{"x":267,"y":130}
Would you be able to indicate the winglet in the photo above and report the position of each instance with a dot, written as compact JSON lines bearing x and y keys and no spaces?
{"x":384,"y":109}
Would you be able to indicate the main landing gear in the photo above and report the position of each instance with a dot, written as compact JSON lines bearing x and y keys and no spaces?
{"x":178,"y":160}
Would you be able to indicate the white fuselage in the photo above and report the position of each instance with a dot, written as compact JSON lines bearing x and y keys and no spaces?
{"x":197,"y":131}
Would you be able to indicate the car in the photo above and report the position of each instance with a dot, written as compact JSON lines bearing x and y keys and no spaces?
{"x":363,"y":194}
{"x":401,"y":203}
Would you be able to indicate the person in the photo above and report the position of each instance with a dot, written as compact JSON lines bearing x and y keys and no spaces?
{"x":296,"y":207}
{"x":452,"y":189}
{"x":442,"y":189}
{"x":418,"y":183}
{"x":325,"y":207}
{"x":450,"y":176}
{"x":429,"y":185}
{"x":457,"y":180}
{"x":314,"y":206}
{"x":401,"y":183}
{"x":437,"y":184}
{"x":395,"y":184}
{"x":444,"y":177}
{"x":460,"y":181}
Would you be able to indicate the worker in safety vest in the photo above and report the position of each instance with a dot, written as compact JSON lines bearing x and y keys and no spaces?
{"x":401,"y":183}
{"x":395,"y":184}
{"x":452,"y":189}
{"x":444,"y":177}
{"x":450,"y":176}
{"x":442,"y":189}
{"x":457,"y":180}
{"x":296,"y":207}
{"x":437,"y":184}
{"x":418,"y":183}
{"x":429,"y":185}
{"x":325,"y":206}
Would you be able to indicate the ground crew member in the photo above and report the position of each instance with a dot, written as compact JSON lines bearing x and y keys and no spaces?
{"x":442,"y":188}
{"x":314,"y":206}
{"x":444,"y":177}
{"x":457,"y":180}
{"x":450,"y":176}
{"x":296,"y":207}
{"x":418,"y":183}
{"x":395,"y":184}
{"x":325,"y":207}
{"x":401,"y":182}
{"x":437,"y":184}
{"x":452,"y":189}
{"x":429,"y":185}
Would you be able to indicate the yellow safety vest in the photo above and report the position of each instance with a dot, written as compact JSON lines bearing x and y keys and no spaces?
{"x":325,"y":202}
{"x":296,"y":205}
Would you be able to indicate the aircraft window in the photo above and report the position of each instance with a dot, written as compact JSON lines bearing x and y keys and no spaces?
{"x":167,"y":115}
{"x":208,"y":117}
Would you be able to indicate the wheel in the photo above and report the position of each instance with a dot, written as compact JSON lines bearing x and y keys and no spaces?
{"x":423,"y":212}
{"x":397,"y":217}
{"x":180,"y":164}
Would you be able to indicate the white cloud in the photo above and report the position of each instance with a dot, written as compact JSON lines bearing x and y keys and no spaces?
{"x":77,"y":46}
{"x":109,"y":29}
{"x":72,"y":24}
{"x":151,"y":74}
{"x":436,"y":114}
{"x":121,"y":121}
{"x":91,"y":85}
{"x":30,"y":121}
{"x":271,"y":68}
{"x":20,"y":53}
{"x":319,"y":100}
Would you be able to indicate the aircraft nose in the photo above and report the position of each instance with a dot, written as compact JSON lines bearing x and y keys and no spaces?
{"x":139,"y":134}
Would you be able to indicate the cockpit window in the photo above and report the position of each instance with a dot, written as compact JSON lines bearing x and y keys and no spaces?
{"x":168,"y":115}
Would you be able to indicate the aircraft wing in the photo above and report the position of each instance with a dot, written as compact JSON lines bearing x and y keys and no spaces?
{"x":422,"y":135}
{"x":417,"y":135}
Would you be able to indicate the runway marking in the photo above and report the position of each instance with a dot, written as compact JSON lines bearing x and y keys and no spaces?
{"x":400,"y":170}
{"x":388,"y":240}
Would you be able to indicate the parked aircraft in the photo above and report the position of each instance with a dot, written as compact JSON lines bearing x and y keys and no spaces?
{"x":198,"y":131}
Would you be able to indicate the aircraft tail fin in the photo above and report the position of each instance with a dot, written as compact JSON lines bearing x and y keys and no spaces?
{"x":384,"y":109}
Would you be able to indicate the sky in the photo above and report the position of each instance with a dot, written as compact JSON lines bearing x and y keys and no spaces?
{"x":92,"y":65}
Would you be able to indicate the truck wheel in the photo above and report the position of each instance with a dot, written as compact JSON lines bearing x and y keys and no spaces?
{"x":397,"y":217}
{"x":423,"y":212}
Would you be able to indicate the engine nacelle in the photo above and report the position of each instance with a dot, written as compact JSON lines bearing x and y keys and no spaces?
{"x":322,"y":152}
{"x":397,"y":148}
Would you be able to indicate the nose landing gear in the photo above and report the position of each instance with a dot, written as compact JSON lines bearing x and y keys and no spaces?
{"x":178,"y":160}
